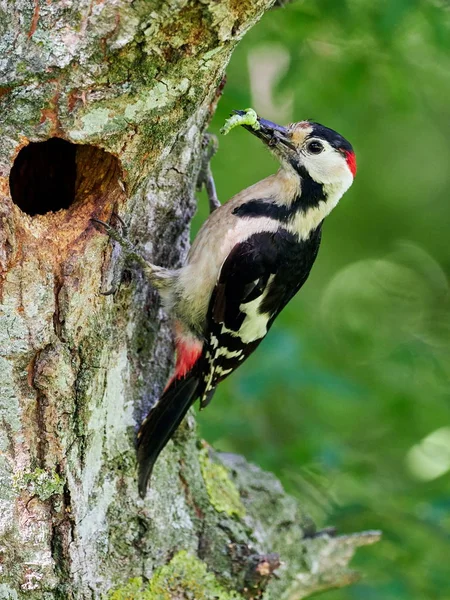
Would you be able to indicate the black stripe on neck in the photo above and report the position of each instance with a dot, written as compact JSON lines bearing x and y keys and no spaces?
{"x":311,"y":194}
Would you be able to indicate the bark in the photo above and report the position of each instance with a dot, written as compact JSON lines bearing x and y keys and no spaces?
{"x":127,"y":88}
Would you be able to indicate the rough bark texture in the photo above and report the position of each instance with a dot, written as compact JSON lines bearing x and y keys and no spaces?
{"x":130,"y":85}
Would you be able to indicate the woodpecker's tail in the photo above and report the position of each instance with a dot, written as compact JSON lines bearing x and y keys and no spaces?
{"x":161,"y":423}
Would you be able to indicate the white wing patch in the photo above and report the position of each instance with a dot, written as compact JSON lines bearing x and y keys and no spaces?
{"x":218,"y":369}
{"x":254,"y":326}
{"x":227,"y":353}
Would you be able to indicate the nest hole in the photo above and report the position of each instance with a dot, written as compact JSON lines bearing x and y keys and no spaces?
{"x":53,"y":175}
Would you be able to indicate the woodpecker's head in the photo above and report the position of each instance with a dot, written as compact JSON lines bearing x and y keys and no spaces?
{"x":310,"y":149}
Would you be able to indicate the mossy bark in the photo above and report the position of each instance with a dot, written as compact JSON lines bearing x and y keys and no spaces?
{"x":132,"y":86}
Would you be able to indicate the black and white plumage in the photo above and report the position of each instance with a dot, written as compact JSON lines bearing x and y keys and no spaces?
{"x":257,"y":280}
{"x":249,"y":259}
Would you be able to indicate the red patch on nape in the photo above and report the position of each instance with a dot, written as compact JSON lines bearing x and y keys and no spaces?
{"x":351,"y":161}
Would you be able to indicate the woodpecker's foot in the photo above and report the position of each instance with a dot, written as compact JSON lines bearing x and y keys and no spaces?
{"x":205,"y":176}
{"x":159,"y":277}
{"x":129,"y":251}
{"x":121,"y":238}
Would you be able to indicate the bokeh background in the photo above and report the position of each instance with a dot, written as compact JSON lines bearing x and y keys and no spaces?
{"x":347,"y":400}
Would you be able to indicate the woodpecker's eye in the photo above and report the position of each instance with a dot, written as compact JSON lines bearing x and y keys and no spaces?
{"x":315,"y":147}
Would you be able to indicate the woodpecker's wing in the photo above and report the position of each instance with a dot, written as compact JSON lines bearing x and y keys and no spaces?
{"x":256,"y":281}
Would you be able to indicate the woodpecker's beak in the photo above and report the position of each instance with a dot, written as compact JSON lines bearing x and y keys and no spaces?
{"x":275,"y":136}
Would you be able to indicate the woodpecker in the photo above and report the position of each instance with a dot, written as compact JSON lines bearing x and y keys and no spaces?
{"x":251,"y":256}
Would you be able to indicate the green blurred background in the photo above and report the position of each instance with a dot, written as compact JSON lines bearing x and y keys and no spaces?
{"x":347,"y":400}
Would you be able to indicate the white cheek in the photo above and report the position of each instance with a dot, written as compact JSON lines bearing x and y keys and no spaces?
{"x":328,"y":168}
{"x":346,"y":179}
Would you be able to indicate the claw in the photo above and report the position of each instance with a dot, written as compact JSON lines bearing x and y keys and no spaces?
{"x":120,"y":238}
{"x":109,"y":228}
{"x":99,"y":222}
{"x":110,"y":292}
{"x":129,"y":251}
{"x":122,"y":224}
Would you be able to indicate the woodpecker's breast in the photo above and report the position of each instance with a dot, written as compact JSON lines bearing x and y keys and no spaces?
{"x":264,"y":208}
{"x":222,"y":231}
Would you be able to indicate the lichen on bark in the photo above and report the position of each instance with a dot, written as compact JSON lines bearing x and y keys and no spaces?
{"x":185,"y":576}
{"x":130,"y":87}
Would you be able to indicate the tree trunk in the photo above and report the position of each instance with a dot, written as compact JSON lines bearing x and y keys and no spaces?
{"x":102,"y":109}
